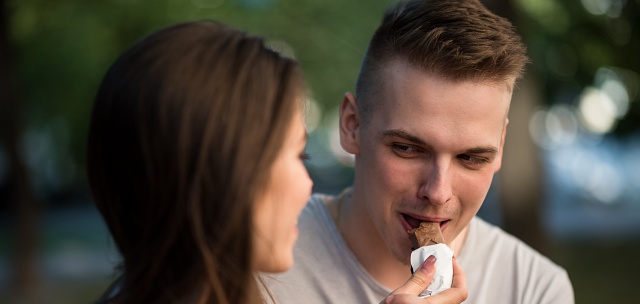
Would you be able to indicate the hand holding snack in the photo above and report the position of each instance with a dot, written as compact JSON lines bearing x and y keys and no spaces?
{"x":427,"y":240}
{"x":421,"y":278}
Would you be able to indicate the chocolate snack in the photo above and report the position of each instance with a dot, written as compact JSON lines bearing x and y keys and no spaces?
{"x":427,"y":234}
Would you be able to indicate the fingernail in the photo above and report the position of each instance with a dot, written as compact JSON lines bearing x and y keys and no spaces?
{"x":428,"y":264}
{"x":390,"y":299}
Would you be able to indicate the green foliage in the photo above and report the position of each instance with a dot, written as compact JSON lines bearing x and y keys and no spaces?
{"x":64,"y":47}
{"x":569,"y":41}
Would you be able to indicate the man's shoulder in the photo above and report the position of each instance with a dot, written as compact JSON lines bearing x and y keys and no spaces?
{"x":324,"y":270}
{"x":316,"y":208}
{"x":490,"y":239}
{"x":493,"y":255}
{"x":317,"y":200}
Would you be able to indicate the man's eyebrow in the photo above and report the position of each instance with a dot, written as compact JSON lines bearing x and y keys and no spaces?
{"x":482,"y":150}
{"x":404,"y":135}
{"x":418,"y":141}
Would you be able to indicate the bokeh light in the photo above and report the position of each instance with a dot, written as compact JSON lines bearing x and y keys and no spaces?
{"x":597,"y":111}
{"x":612,"y":8}
{"x":312,"y":114}
{"x":596,"y":7}
{"x":281,"y":47}
{"x":554,"y":127}
{"x":601,"y":107}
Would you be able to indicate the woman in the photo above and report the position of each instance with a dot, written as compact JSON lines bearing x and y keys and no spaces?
{"x":195,"y":154}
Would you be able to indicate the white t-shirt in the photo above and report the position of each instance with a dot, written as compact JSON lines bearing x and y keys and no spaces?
{"x":499,"y":268}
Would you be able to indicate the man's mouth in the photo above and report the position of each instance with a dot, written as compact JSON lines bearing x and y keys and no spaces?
{"x":412,"y":221}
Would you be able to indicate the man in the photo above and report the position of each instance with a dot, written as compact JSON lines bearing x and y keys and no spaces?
{"x":427,"y":128}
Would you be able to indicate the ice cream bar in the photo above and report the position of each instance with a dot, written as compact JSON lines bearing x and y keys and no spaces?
{"x":427,"y":240}
{"x":427,"y":234}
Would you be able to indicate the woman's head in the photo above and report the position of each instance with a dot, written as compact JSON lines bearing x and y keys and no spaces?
{"x":275,"y":220}
{"x":185,"y":129}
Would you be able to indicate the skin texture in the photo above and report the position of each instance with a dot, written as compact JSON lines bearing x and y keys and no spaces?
{"x":429,"y":152}
{"x":276,"y":212}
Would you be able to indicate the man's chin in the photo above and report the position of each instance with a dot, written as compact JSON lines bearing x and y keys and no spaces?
{"x":402,"y":257}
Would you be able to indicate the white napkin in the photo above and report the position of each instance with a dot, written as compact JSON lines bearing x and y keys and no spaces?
{"x":444,"y":266}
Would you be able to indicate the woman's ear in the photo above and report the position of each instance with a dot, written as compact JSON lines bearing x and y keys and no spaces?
{"x":349,"y":124}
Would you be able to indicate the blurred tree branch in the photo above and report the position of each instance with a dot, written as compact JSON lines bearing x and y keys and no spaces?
{"x":22,"y":201}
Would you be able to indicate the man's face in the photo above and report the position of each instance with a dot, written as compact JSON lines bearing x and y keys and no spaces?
{"x":428,"y":153}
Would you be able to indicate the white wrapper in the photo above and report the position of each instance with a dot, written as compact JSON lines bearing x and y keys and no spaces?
{"x":444,"y":268}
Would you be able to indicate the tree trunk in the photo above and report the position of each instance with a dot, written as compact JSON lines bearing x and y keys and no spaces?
{"x":521,"y":176}
{"x":521,"y":187}
{"x":22,"y":203}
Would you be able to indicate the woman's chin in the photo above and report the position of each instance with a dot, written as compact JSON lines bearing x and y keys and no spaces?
{"x":280,"y":264}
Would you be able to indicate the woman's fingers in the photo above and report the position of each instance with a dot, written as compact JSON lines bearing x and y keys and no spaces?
{"x":454,"y":295}
{"x":459,"y":278}
{"x":418,"y":282}
{"x":421,"y":279}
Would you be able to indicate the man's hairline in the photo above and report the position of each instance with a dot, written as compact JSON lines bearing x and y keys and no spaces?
{"x":509,"y":83}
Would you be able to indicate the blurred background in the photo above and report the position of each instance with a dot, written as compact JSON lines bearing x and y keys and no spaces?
{"x":569,"y":187}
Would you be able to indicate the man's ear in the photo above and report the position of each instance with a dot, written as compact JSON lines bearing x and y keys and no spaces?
{"x":498,"y":160}
{"x":349,"y":124}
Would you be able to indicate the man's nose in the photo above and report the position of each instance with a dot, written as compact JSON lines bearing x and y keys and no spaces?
{"x":436,"y":187}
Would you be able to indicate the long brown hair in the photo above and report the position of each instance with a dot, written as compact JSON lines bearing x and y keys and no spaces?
{"x":184,"y":128}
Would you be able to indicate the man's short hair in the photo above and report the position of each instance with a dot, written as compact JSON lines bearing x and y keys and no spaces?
{"x":459,"y":40}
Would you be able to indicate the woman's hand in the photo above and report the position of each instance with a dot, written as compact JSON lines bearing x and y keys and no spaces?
{"x":420,"y":280}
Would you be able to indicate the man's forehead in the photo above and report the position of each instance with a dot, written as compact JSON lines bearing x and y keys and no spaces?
{"x":408,"y":84}
{"x":398,"y":66}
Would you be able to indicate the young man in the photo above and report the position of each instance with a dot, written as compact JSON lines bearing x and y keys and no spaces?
{"x":427,"y":128}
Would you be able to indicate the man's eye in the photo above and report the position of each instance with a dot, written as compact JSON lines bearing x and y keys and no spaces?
{"x":405,"y":149}
{"x":472,"y":159}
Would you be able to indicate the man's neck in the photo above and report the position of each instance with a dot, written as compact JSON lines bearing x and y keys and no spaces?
{"x":362,"y":238}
